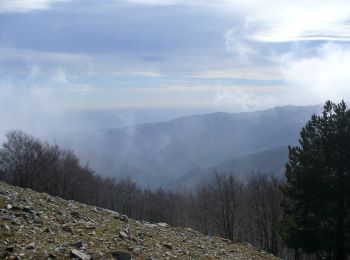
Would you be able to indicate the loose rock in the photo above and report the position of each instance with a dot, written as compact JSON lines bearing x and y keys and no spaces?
{"x":31,"y":246}
{"x":40,"y":227}
{"x":124,"y":218}
{"x":122,"y":234}
{"x":79,"y":255}
{"x":120,"y":255}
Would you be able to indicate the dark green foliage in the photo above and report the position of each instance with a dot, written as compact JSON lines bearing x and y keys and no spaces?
{"x":317,"y":191}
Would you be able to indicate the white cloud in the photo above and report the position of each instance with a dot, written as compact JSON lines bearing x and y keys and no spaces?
{"x":27,"y":108}
{"x":169,"y":2}
{"x":300,"y":20}
{"x":19,"y":6}
{"x":293,"y":20}
{"x":60,"y":76}
{"x":280,"y":21}
{"x":236,"y":43}
{"x":243,"y":99}
{"x":41,"y":108}
{"x":320,"y":77}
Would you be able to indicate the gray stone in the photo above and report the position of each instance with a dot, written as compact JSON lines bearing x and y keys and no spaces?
{"x":123,"y":234}
{"x":168,"y":245}
{"x":124,"y":218}
{"x":60,"y":249}
{"x":90,"y":226}
{"x":15,"y":221}
{"x":47,"y":230}
{"x":68,"y":229}
{"x":31,"y":246}
{"x":80,"y":255}
{"x":137,"y":249}
{"x":78,"y":244}
{"x":149,"y":225}
{"x":6,"y":227}
{"x":99,"y":255}
{"x":120,"y":255}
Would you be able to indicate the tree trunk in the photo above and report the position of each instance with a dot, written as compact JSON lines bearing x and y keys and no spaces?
{"x":340,"y":248}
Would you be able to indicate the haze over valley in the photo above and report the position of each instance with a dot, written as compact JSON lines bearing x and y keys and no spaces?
{"x":164,"y":153}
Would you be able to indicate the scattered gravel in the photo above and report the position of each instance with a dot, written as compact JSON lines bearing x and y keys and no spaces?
{"x":39,"y":226}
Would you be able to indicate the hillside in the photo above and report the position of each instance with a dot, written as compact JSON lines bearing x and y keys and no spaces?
{"x":269,"y":162}
{"x":160,"y":153}
{"x":36,"y":225}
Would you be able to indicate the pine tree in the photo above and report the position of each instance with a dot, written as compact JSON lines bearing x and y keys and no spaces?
{"x":317,"y":191}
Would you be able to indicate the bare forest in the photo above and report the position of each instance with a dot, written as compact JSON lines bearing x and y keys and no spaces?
{"x":222,"y":206}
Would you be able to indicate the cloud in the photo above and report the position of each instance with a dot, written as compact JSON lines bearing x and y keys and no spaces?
{"x":319,"y":77}
{"x":252,"y":72}
{"x":144,"y":52}
{"x":247,"y":99}
{"x":20,"y":6}
{"x":300,"y":21}
{"x":237,"y":44}
{"x":169,"y":2}
{"x":295,"y":20}
{"x":280,"y":21}
{"x":30,"y":109}
{"x":38,"y":108}
{"x":31,"y":62}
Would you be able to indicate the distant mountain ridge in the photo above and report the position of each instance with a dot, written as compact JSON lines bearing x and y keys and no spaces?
{"x":266,"y":162}
{"x":160,"y":153}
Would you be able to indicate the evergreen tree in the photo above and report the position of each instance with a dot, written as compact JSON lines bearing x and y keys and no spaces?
{"x":317,"y":191}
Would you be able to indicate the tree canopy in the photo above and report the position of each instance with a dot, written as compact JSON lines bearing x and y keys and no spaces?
{"x":316,"y":200}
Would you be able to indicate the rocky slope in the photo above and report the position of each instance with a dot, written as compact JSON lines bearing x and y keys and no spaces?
{"x":39,"y":226}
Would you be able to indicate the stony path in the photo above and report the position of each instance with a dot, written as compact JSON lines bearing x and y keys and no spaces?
{"x":39,"y":226}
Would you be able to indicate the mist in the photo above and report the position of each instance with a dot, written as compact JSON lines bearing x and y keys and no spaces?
{"x":128,"y":94}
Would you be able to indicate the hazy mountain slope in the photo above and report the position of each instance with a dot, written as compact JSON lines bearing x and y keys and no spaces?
{"x":167,"y":150}
{"x":270,"y":161}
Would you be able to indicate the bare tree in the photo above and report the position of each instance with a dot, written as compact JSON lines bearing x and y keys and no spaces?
{"x":21,"y":158}
{"x":224,"y":205}
{"x":220,"y":199}
{"x":264,"y":199}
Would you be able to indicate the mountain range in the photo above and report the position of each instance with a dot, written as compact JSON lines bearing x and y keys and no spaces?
{"x":184,"y":150}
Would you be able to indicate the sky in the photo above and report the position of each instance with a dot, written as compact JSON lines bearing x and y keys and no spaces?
{"x":59,"y":58}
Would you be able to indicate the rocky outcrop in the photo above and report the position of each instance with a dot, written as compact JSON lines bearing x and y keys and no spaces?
{"x":37,"y":225}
